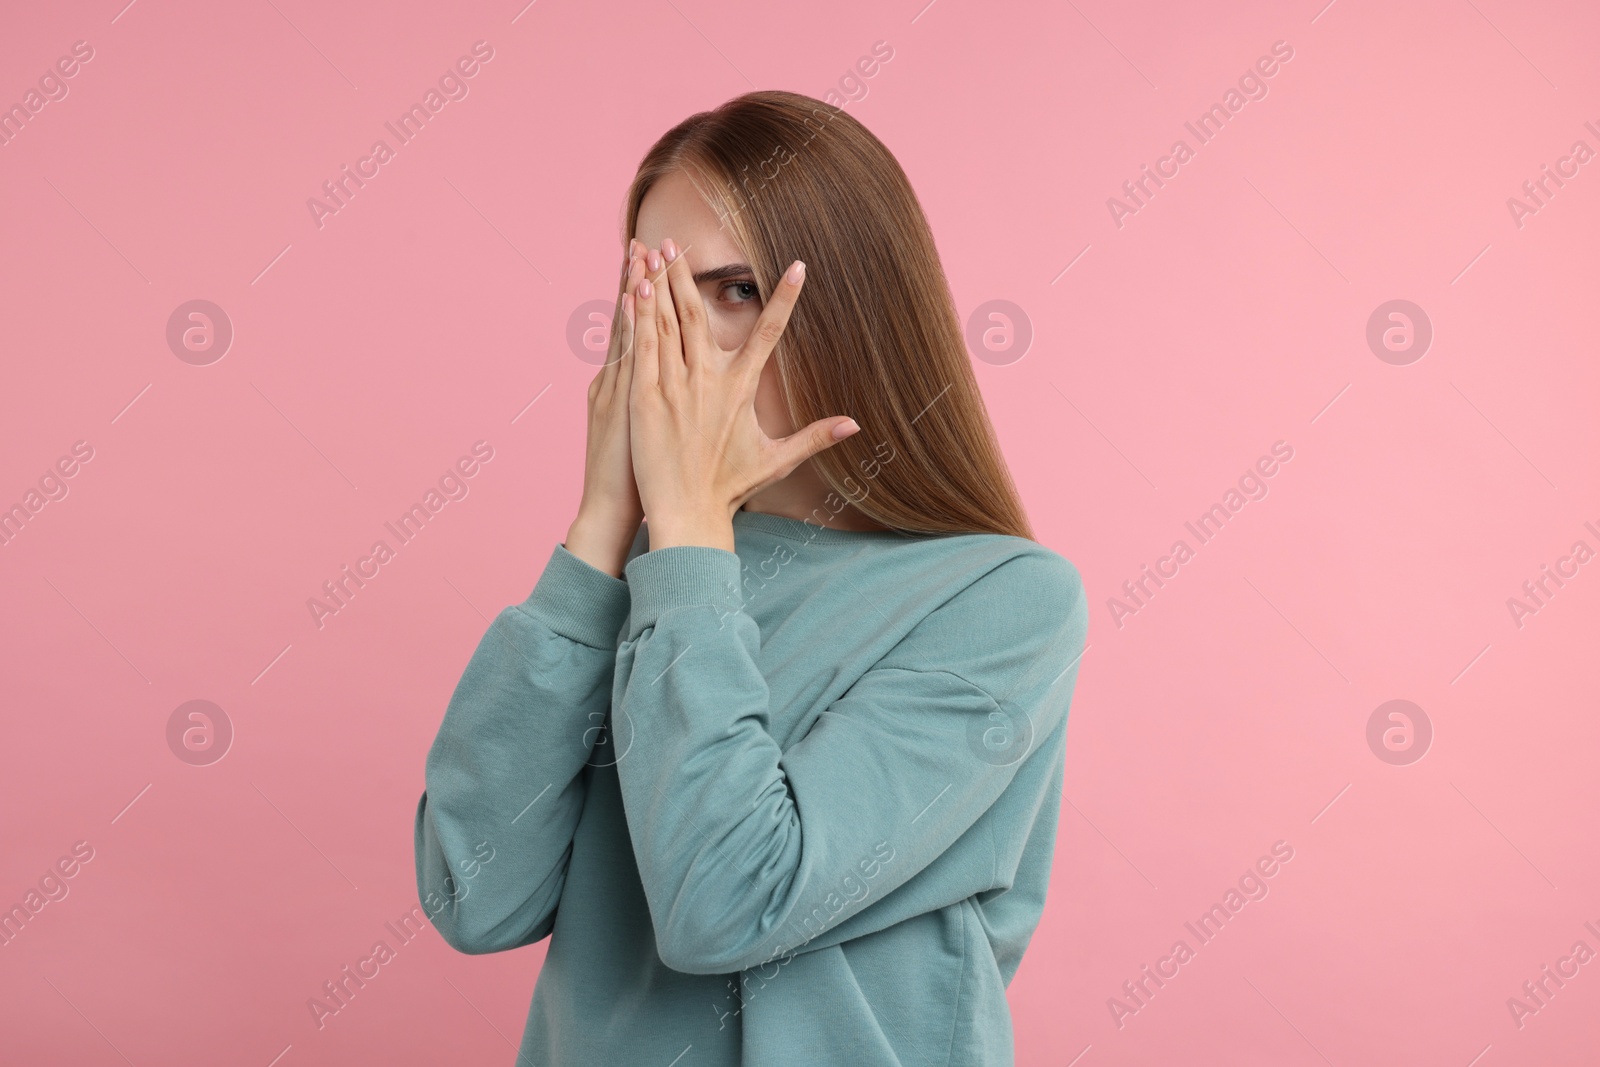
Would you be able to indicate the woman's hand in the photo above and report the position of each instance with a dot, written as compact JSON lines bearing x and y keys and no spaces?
{"x":609,"y":513}
{"x":698,"y":451}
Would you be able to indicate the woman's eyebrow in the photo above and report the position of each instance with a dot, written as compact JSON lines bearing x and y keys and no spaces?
{"x":723,"y":273}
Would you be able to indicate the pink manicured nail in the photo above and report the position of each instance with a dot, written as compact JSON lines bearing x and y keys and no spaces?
{"x":669,"y":249}
{"x":655,"y":260}
{"x":645,"y":289}
{"x":796,"y":272}
{"x":845,"y":429}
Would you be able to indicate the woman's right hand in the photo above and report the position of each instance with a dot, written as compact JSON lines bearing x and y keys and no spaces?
{"x":609,"y":513}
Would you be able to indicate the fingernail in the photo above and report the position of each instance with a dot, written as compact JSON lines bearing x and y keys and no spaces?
{"x":668,"y":249}
{"x":645,"y":288}
{"x":845,"y":429}
{"x":796,"y":271}
{"x":635,"y":267}
{"x":655,"y":260}
{"x":633,"y":243}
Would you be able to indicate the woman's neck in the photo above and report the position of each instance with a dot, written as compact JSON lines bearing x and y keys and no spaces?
{"x":804,"y":496}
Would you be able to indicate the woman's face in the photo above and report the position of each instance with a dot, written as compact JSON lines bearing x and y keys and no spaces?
{"x":672,"y":208}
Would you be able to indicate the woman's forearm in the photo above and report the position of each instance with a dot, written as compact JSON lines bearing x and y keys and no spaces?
{"x":602,"y":540}
{"x":505,"y":781}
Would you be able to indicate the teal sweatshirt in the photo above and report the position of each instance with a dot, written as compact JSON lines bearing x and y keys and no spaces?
{"x":790,"y":804}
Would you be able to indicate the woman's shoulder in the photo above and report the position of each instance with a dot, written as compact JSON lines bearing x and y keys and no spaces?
{"x":1013,"y":569}
{"x":991,"y":609}
{"x":995,"y":590}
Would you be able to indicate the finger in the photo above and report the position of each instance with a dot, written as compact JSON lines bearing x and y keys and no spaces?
{"x":624,"y":364}
{"x":604,"y":381}
{"x":646,"y":338}
{"x":774,"y":317}
{"x":621,"y":339}
{"x":636,"y":251}
{"x":625,"y":328}
{"x":669,"y":360}
{"x":605,"y":374}
{"x":627,"y":259}
{"x":818,"y":437}
{"x":692,"y":319}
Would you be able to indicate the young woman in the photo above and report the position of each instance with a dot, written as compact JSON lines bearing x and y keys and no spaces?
{"x":777,"y":770}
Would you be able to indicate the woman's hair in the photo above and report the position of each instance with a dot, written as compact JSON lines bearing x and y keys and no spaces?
{"x":875,"y":334}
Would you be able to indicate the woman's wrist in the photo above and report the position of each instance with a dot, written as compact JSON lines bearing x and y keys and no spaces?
{"x":602,"y":540}
{"x":708,"y":526}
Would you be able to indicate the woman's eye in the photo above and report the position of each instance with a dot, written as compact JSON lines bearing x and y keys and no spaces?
{"x":740,"y":292}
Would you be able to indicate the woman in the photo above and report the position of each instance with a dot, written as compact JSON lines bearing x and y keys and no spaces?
{"x":779,"y":769}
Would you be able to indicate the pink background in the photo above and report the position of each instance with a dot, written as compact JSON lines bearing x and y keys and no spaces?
{"x":1230,"y":312}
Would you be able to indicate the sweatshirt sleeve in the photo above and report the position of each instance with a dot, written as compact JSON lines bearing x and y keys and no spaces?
{"x":505,"y":775}
{"x":748,"y":852}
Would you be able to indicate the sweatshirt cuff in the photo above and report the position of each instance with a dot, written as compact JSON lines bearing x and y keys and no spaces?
{"x":579,"y":601}
{"x":678,"y":577}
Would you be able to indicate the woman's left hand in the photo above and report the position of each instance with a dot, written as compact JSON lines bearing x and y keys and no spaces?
{"x":698,"y":451}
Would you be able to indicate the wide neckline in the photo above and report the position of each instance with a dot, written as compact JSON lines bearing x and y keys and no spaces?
{"x":811,"y":532}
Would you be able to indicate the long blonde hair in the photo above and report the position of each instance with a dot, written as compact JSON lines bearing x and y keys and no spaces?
{"x":875,"y":334}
